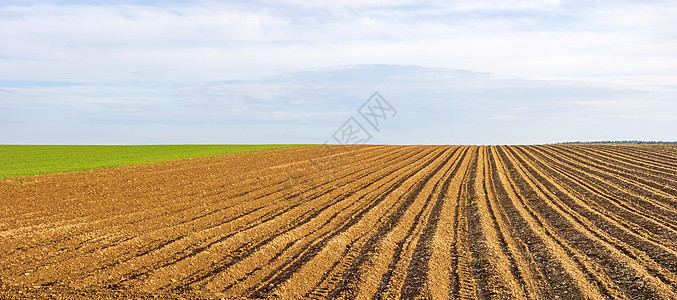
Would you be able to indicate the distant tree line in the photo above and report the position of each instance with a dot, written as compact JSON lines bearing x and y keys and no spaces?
{"x":621,"y":143}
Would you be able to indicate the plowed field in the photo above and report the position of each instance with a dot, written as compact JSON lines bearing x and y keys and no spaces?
{"x":442,"y":222}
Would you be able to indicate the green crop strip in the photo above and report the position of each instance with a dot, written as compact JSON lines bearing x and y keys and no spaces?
{"x":22,"y":160}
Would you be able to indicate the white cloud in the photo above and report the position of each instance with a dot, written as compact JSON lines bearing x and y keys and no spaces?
{"x":219,"y":56}
{"x":435,"y":105}
{"x":212,"y":41}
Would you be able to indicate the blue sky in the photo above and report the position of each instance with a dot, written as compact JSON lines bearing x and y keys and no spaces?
{"x":458,"y":72}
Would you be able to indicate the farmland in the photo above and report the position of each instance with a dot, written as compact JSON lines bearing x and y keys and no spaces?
{"x":442,"y":222}
{"x":22,"y":160}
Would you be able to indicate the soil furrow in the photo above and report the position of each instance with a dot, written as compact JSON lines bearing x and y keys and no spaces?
{"x":383,"y":214}
{"x":346,"y":222}
{"x":650,"y":226}
{"x":564,"y":275}
{"x":240,"y":252}
{"x":577,"y":230}
{"x":630,"y":162}
{"x":151,"y":244}
{"x":301,"y":245}
{"x":414,"y":285}
{"x":642,"y":185}
{"x":617,"y":228}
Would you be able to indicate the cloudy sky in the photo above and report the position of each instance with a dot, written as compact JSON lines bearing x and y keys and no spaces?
{"x":456,"y":72}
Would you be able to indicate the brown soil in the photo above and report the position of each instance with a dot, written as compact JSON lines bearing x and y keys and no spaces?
{"x":368,"y":222}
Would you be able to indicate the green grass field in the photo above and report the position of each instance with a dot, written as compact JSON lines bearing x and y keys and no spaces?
{"x":22,"y":160}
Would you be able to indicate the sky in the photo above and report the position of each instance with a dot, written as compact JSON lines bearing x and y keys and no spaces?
{"x":230,"y":72}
